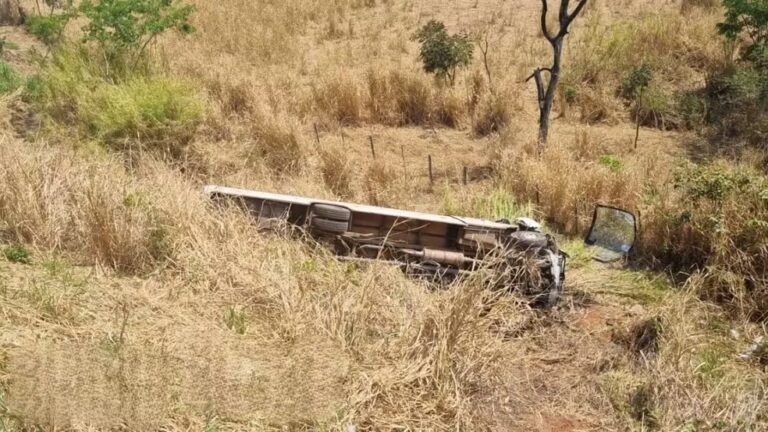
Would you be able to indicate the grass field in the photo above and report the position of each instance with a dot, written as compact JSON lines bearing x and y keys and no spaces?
{"x":128,"y":302}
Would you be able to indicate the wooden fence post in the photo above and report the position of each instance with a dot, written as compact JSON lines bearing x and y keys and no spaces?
{"x":402,"y":154}
{"x":431,"y":178}
{"x":576,"y":216}
{"x":373,"y":149}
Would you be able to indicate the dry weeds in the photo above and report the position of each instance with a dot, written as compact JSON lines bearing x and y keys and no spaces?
{"x":147,"y":308}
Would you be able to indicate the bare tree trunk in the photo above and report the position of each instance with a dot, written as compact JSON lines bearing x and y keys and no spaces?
{"x":638,"y":108}
{"x":546,"y":91}
{"x":11,"y":13}
{"x":484,"y":48}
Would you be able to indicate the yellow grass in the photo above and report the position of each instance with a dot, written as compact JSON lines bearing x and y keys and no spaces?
{"x":146,"y":307}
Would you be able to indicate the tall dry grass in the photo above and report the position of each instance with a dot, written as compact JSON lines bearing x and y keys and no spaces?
{"x":93,"y":210}
{"x":198,"y":321}
{"x":707,"y":220}
{"x":571,"y":175}
{"x":680,"y":49}
{"x":336,"y":343}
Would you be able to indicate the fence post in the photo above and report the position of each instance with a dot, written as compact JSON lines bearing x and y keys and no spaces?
{"x":317,"y":135}
{"x":402,"y":154}
{"x":431,"y":178}
{"x":373,"y":149}
{"x":576,"y":215}
{"x":466,"y":175}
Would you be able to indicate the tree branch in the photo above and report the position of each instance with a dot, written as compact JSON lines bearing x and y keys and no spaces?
{"x":563,"y":11}
{"x":576,"y":12}
{"x":540,"y":70}
{"x":544,"y":29}
{"x":540,"y":91}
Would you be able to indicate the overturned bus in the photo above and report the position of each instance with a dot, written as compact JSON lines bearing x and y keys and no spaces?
{"x":517,"y":253}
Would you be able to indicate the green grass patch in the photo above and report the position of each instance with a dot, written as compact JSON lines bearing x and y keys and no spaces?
{"x":9,"y":79}
{"x":580,"y":255}
{"x":496,"y":204}
{"x":47,"y":28}
{"x":141,"y":109}
{"x":711,"y":362}
{"x":6,"y":44}
{"x":645,"y":287}
{"x":156,"y":109}
{"x":235,"y":319}
{"x":17,"y":254}
{"x":500,"y":204}
{"x":60,"y":270}
{"x":612,"y":162}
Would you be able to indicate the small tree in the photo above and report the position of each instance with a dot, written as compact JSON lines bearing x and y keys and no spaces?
{"x":546,"y":91}
{"x":484,"y":43}
{"x":441,"y":53}
{"x":125,"y":28}
{"x":634,"y":87}
{"x":748,"y":18}
{"x":50,"y":28}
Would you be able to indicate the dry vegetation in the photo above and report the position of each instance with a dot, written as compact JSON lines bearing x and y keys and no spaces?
{"x":139,"y":306}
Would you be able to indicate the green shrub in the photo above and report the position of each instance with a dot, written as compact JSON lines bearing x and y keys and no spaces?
{"x":153,"y":111}
{"x":570,"y":93}
{"x":636,"y":82}
{"x":441,"y":53}
{"x":652,"y":106}
{"x":712,"y":183}
{"x":48,"y":28}
{"x":9,"y":79}
{"x":657,"y":108}
{"x":33,"y":88}
{"x":17,"y":254}
{"x":721,"y":230}
{"x":612,"y":162}
{"x":124,"y":28}
{"x":747,"y":18}
{"x":692,"y":109}
{"x":738,"y":99}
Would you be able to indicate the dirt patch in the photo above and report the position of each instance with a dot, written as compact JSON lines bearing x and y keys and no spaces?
{"x":598,"y":320}
{"x":556,"y":423}
{"x":21,"y":49}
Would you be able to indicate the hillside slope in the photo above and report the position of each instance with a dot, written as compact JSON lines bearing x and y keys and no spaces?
{"x":127,"y":302}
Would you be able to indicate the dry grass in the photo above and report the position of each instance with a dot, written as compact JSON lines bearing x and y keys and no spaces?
{"x":680,"y":49}
{"x":567,"y":200}
{"x":277,"y":144}
{"x":93,"y":210}
{"x":146,"y":308}
{"x":320,"y":344}
{"x":336,"y":169}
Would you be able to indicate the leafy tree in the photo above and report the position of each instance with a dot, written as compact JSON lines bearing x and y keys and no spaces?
{"x":49,"y":29}
{"x":127,"y":27}
{"x":441,"y":53}
{"x":633,"y":87}
{"x":748,"y":18}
